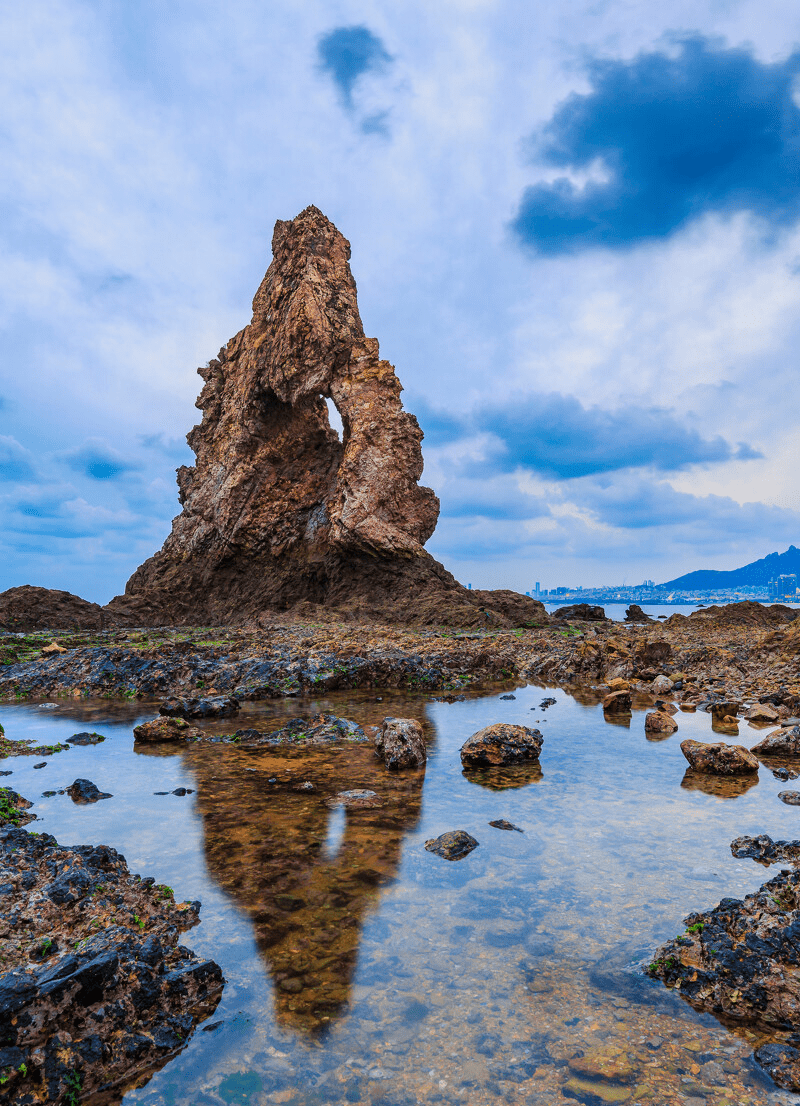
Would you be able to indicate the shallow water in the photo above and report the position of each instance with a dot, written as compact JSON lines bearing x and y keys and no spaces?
{"x":361,"y":968}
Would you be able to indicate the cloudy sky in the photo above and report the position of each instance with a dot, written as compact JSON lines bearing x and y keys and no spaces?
{"x":575,"y":232}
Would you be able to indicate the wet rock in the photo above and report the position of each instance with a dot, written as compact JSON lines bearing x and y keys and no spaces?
{"x":662,"y":685}
{"x":719,"y":759}
{"x":618,"y":702}
{"x":634,"y":613}
{"x":618,"y":684}
{"x":595,"y":1090}
{"x":547,"y":702}
{"x":400,"y":743}
{"x":357,"y":799}
{"x":659,"y":722}
{"x":501,"y":823}
{"x":781,"y":1062}
{"x":13,"y":808}
{"x":665,"y":706}
{"x":761,"y":712}
{"x":783,"y":742}
{"x":41,"y":764}
{"x":724,"y":708}
{"x":85,"y":739}
{"x":220,"y":706}
{"x":501,"y":744}
{"x":452,"y":845}
{"x":580,"y":612}
{"x":84,"y":791}
{"x":607,"y":1062}
{"x":166,"y":729}
{"x":784,"y":774}
{"x":322,"y":729}
{"x":183,"y":791}
{"x":791,"y":798}
{"x":763,"y":848}
{"x":94,"y":981}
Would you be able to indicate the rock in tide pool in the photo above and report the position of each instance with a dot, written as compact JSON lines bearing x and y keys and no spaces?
{"x":501,"y":744}
{"x":94,"y":981}
{"x":781,"y":1062}
{"x":783,"y":742}
{"x":220,"y":706}
{"x":738,"y":961}
{"x":166,"y":729}
{"x":595,"y":1090}
{"x":84,"y":791}
{"x":762,"y":712}
{"x":658,"y":721}
{"x":618,"y":702}
{"x":322,"y":729}
{"x":85,"y":739}
{"x":357,"y":799}
{"x":501,"y":823}
{"x":453,"y":845}
{"x":13,"y":809}
{"x":634,"y":613}
{"x":791,"y":798}
{"x":718,"y":758}
{"x":400,"y":743}
{"x":766,"y":850}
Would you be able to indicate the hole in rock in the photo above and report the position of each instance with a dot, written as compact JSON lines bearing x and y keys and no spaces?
{"x":334,"y":418}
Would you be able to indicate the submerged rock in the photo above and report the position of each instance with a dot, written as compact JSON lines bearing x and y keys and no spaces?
{"x":85,"y":739}
{"x":501,"y":744}
{"x":322,"y":729}
{"x":220,"y":706}
{"x":718,"y":758}
{"x":357,"y":799}
{"x":166,"y":729}
{"x":400,"y":743}
{"x":452,"y":845}
{"x":739,"y":961}
{"x":94,"y":980}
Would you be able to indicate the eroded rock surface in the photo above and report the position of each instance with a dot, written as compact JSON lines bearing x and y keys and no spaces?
{"x":400,"y":743}
{"x":29,"y":608}
{"x":278,"y":512}
{"x":219,"y":706}
{"x":783,"y":742}
{"x":718,"y":758}
{"x":94,"y":991}
{"x":501,"y":744}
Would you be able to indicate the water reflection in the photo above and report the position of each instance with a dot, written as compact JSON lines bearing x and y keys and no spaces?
{"x":506,"y":778}
{"x":721,"y":787}
{"x":307,"y":875}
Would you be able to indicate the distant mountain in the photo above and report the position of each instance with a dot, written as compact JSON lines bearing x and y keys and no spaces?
{"x":759,"y":572}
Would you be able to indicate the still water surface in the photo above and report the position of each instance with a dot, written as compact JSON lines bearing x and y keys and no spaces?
{"x":361,"y":968}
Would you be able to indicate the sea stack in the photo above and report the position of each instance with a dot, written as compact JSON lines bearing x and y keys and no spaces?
{"x":278,"y":512}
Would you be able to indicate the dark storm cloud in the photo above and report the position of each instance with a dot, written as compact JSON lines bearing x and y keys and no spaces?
{"x":347,"y":53}
{"x":708,"y":129}
{"x":556,"y":436}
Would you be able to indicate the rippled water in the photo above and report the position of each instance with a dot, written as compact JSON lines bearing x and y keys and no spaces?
{"x":361,"y":968}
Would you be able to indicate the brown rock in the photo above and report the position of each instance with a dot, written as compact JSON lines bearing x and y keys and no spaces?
{"x":25,"y":609}
{"x":618,"y":702}
{"x":725,"y":708}
{"x":659,"y":722}
{"x":618,"y":684}
{"x":400,"y":743}
{"x":277,"y":511}
{"x":784,"y":742}
{"x":634,"y":613}
{"x":762,"y":712}
{"x":501,"y":744}
{"x":718,"y":758}
{"x":165,"y":729}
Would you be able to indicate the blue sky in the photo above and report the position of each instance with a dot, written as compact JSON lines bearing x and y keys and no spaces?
{"x":575,"y":232}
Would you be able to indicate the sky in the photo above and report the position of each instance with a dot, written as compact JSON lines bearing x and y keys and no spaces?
{"x":575,"y":232}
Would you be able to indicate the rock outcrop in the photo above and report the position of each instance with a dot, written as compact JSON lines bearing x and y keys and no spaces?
{"x":278,"y":512}
{"x":25,"y":609}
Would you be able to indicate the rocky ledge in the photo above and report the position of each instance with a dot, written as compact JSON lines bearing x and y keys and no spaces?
{"x":95,"y":992}
{"x":741,"y":962}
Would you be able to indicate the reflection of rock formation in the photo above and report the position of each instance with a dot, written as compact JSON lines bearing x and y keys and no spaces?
{"x":723,"y":787}
{"x":506,"y":777}
{"x":267,"y":845}
{"x":277,"y":511}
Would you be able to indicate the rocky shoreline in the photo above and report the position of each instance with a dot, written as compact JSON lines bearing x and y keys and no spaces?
{"x":95,"y":991}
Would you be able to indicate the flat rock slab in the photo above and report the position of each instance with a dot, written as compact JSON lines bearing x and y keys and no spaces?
{"x":322,"y":729}
{"x":85,"y":739}
{"x":719,"y":759}
{"x":501,"y":744}
{"x":166,"y":729}
{"x":501,"y":823}
{"x":357,"y":799}
{"x":453,"y":845}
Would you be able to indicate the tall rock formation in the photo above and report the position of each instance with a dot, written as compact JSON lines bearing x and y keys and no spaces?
{"x":277,"y":510}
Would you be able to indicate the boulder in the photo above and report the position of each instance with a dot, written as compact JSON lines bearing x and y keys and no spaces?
{"x":723,"y":708}
{"x":166,"y":729}
{"x":452,"y":845}
{"x":501,"y":744}
{"x":580,"y":612}
{"x":761,"y":712}
{"x":400,"y":743}
{"x":658,"y":721}
{"x":662,"y":685}
{"x":618,"y":702}
{"x":718,"y":758}
{"x":634,"y":613}
{"x":220,"y":706}
{"x":650,"y":653}
{"x":783,"y":742}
